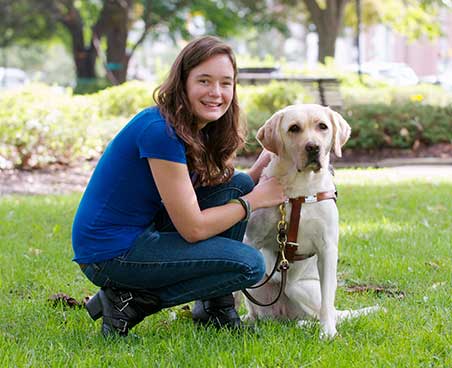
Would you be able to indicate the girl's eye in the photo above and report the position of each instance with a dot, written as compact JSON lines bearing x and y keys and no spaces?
{"x":323,"y":126}
{"x":203,"y":81}
{"x":294,"y":128}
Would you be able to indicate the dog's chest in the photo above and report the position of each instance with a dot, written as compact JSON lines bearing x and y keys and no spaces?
{"x":316,"y":221}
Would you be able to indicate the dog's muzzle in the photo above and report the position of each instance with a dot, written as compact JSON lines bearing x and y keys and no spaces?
{"x":313,"y":156}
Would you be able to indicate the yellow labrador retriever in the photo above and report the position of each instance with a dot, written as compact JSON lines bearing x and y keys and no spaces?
{"x":301,"y":138}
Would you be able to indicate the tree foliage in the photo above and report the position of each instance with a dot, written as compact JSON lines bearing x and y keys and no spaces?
{"x":96,"y":29}
{"x":21,"y":22}
{"x":100,"y":29}
{"x":411,"y":18}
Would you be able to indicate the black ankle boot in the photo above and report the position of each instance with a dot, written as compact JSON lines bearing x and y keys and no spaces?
{"x":219,"y":312}
{"x":121,"y":309}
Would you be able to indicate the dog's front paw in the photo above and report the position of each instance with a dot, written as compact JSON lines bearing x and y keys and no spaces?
{"x":327,"y":332}
{"x":248,"y":318}
{"x":328,"y":329}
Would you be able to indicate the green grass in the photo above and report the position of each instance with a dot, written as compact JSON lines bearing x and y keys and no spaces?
{"x":394,"y":233}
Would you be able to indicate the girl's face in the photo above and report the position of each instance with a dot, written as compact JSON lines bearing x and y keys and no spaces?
{"x":210,"y":88}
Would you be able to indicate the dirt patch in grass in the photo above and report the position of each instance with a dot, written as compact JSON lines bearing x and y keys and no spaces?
{"x":376,"y":289}
{"x":52,"y":180}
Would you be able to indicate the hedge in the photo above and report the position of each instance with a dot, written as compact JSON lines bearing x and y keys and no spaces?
{"x":40,"y":125}
{"x":124,"y":100}
{"x":398,"y":125}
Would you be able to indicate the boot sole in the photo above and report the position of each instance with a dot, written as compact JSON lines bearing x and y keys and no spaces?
{"x":94,"y":307}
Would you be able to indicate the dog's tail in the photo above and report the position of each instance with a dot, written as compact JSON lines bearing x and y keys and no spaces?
{"x":342,"y":315}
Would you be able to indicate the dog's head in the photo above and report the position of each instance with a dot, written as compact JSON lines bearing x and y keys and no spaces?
{"x":305,"y":134}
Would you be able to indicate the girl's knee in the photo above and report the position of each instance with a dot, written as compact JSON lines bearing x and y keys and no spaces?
{"x":256,"y":264}
{"x":242,"y":181}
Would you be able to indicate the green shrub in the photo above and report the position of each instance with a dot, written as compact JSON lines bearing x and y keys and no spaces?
{"x":425,"y":94}
{"x":40,"y":125}
{"x":91,"y":85}
{"x":124,"y":100}
{"x":397,"y":117}
{"x":398,"y":125}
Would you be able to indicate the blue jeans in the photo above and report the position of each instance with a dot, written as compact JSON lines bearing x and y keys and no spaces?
{"x":161,"y":261}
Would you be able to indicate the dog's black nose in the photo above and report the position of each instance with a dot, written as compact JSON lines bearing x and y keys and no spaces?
{"x":312,"y":148}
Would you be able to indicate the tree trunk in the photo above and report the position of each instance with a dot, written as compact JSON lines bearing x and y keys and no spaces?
{"x":85,"y":61}
{"x":84,"y":57}
{"x":327,"y":41}
{"x":328,"y":22}
{"x":116,"y":31}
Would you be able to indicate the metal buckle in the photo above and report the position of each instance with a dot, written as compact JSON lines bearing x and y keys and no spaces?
{"x":128,"y":298}
{"x":124,"y":328}
{"x":125,"y":299}
{"x":122,"y":308}
{"x":293,"y":244}
{"x":310,"y":199}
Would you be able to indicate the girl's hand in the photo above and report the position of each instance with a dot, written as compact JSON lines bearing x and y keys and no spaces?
{"x":261,"y":163}
{"x":267,"y":193}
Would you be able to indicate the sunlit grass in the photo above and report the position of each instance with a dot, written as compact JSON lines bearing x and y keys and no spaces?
{"x":395,"y":234}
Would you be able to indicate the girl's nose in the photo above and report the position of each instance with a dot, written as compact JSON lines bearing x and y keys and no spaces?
{"x":215,"y":89}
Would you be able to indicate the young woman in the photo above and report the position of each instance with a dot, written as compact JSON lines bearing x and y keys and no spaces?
{"x":163,"y":216}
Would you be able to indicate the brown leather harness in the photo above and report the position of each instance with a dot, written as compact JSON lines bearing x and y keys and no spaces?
{"x":287,"y":240}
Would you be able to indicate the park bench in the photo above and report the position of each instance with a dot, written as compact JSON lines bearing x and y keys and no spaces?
{"x":325,"y":90}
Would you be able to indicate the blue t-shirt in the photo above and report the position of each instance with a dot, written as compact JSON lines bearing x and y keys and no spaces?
{"x":121,"y":198}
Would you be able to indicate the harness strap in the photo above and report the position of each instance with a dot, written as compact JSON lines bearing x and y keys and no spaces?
{"x":292,"y":246}
{"x":295,"y":214}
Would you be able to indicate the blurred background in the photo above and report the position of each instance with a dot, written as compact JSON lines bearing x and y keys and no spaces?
{"x":72,"y":72}
{"x":89,"y":44}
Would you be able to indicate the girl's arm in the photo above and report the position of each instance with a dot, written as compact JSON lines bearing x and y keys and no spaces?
{"x":179,"y":197}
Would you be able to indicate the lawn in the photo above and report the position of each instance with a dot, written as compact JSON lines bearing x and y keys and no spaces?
{"x":395,"y":251}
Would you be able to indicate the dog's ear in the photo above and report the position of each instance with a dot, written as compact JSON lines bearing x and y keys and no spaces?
{"x":341,"y":131}
{"x":268,"y":135}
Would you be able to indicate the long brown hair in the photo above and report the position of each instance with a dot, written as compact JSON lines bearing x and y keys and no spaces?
{"x":210,"y":150}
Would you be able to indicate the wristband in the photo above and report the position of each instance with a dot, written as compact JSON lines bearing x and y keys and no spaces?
{"x":246,"y":206}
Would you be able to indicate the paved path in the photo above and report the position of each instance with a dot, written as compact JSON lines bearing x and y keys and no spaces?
{"x":75,"y":179}
{"x":395,"y":175}
{"x":427,"y":172}
{"x":419,"y":171}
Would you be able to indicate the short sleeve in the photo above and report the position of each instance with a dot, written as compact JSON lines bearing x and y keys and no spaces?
{"x":158,"y":140}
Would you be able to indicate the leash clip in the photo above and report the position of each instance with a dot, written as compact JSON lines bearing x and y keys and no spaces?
{"x":283,"y":265}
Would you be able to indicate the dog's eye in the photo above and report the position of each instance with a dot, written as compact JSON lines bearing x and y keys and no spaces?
{"x":323,"y":126}
{"x":294,"y":128}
